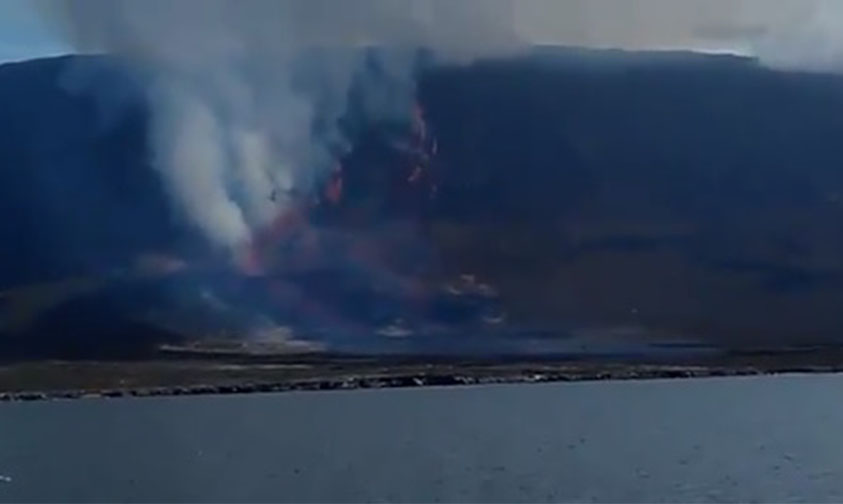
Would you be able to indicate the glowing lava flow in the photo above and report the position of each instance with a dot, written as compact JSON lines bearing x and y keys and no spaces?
{"x":258,"y":256}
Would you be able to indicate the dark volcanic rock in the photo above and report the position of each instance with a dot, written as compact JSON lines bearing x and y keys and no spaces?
{"x":76,"y":189}
{"x":106,"y":322}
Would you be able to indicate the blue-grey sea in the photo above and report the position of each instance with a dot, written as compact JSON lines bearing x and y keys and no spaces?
{"x":717,"y":439}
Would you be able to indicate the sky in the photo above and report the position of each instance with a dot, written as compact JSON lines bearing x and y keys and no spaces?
{"x":23,"y":34}
{"x":806,"y":31}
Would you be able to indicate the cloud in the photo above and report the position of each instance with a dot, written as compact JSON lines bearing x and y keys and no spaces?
{"x":11,"y":52}
{"x":796,"y":33}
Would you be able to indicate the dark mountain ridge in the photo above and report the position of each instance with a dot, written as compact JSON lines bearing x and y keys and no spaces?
{"x":695,"y":195}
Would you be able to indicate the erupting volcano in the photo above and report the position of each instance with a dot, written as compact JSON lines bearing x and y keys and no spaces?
{"x":406,"y":187}
{"x":356,"y":256}
{"x":537,"y":204}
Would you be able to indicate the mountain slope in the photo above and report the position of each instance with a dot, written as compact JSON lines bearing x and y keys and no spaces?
{"x":694,"y":196}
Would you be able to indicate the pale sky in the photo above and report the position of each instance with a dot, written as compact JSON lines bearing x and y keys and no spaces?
{"x":23,"y":34}
{"x":786,"y":30}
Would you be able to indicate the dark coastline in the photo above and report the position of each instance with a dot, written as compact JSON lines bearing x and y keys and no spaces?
{"x":45,"y":380}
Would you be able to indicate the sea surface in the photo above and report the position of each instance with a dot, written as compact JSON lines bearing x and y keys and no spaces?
{"x":717,"y":439}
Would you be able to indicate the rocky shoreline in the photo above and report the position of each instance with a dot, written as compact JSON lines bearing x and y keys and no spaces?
{"x":202,"y":378}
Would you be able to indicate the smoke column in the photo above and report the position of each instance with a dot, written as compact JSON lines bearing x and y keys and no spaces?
{"x":237,"y":86}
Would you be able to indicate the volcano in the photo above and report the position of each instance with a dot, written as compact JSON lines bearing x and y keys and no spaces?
{"x":548,"y":201}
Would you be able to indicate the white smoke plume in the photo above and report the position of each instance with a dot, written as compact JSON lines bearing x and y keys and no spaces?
{"x":237,"y":85}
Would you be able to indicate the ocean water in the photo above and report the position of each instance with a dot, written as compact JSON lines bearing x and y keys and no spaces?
{"x":718,"y":439}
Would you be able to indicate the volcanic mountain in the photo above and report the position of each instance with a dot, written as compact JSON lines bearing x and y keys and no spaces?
{"x":671,"y":195}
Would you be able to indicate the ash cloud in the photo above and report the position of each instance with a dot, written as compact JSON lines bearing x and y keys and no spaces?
{"x":238,"y":87}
